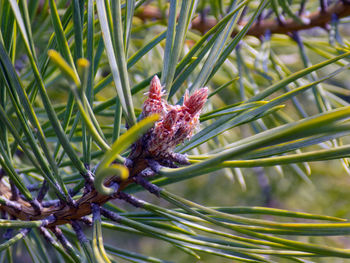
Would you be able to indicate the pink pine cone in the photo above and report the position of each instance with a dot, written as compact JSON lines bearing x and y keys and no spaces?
{"x":176,"y":123}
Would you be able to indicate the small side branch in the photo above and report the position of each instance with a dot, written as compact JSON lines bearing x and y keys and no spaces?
{"x":152,"y":188}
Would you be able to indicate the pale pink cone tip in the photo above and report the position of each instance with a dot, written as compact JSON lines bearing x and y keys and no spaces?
{"x":196,"y":101}
{"x":155,"y":90}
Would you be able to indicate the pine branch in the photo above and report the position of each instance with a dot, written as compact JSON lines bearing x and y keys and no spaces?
{"x":319,"y":18}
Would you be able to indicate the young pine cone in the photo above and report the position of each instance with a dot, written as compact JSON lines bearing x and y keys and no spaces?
{"x":176,"y":123}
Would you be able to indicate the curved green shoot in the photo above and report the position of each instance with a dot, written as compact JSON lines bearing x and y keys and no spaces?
{"x":121,"y":144}
{"x":114,"y":170}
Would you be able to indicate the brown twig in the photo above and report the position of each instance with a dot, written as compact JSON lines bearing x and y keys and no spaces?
{"x":63,"y":213}
{"x":316,"y":19}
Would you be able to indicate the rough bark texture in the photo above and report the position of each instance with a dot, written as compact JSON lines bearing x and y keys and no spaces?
{"x":65,"y":213}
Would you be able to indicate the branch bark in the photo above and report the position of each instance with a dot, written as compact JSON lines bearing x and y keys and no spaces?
{"x":64,"y":213}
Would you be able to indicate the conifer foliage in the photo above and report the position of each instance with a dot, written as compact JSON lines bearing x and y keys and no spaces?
{"x":101,"y":100}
